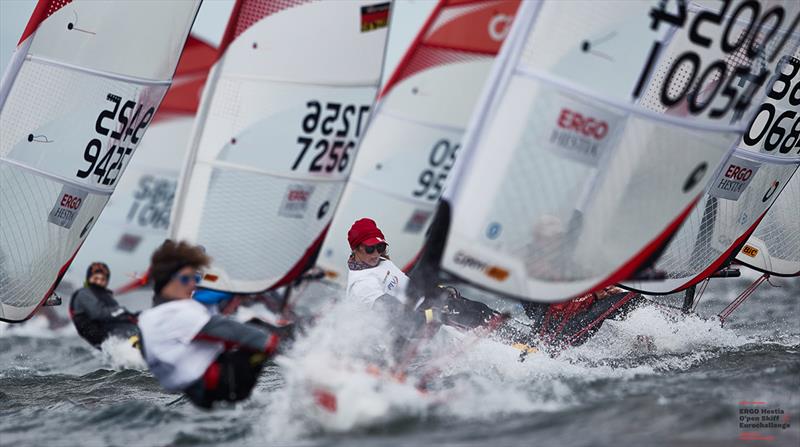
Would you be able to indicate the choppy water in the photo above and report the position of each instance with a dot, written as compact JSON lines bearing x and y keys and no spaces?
{"x":56,"y":390}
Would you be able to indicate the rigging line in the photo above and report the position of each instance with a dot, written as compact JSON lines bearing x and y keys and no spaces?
{"x":700,"y":295}
{"x":741,"y":298}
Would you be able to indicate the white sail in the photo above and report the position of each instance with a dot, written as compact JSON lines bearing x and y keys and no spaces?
{"x":743,"y":188}
{"x":774,"y":247}
{"x":136,"y":219}
{"x":84,"y":84}
{"x":276,"y":136}
{"x":594,"y":141}
{"x":415,"y":132}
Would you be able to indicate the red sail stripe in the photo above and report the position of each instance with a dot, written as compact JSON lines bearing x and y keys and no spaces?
{"x":43,"y":10}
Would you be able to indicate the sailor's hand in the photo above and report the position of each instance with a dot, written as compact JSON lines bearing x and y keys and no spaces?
{"x":435,"y":315}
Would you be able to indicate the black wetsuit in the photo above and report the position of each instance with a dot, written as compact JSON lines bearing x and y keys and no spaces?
{"x":233,"y":374}
{"x":97,"y":315}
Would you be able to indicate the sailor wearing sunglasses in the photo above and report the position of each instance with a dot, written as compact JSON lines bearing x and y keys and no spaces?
{"x":373,"y":279}
{"x":210,"y":357}
{"x":372,"y":275}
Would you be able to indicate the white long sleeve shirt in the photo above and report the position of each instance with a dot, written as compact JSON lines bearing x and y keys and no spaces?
{"x":367,"y":284}
{"x":173,"y":355}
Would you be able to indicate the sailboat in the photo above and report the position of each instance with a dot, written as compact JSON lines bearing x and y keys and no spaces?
{"x":415,"y":132}
{"x":75,"y":102}
{"x":136,"y":219}
{"x":740,"y":194}
{"x":594,"y":137}
{"x":276,"y":136}
{"x":573,"y":179}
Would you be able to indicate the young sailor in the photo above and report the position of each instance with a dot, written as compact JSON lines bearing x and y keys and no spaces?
{"x":374,"y":280}
{"x":95,"y":312}
{"x":209,"y":357}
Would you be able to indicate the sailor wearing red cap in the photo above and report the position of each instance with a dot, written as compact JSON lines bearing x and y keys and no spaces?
{"x":372,"y":274}
{"x":373,"y":279}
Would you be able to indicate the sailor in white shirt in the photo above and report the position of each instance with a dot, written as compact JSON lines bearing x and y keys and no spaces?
{"x":187,"y":348}
{"x":375,"y":281}
{"x":371,"y":274}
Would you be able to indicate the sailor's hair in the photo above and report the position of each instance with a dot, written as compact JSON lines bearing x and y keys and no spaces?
{"x":172,"y":256}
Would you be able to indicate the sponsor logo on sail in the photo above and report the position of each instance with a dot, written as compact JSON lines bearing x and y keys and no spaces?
{"x":417,"y":221}
{"x":499,"y":26}
{"x":749,"y":250}
{"x":295,"y":202}
{"x":495,"y":272}
{"x":580,"y":131}
{"x":68,"y":204}
{"x":374,"y":17}
{"x":734,"y":178}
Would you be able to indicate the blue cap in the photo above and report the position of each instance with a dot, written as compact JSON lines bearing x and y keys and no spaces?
{"x":206,"y":296}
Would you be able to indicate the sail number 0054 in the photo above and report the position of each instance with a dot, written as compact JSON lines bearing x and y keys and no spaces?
{"x":331,"y":130}
{"x":130,"y":124}
{"x":705,"y":82}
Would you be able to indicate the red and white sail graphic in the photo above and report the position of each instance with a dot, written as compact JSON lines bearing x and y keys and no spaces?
{"x":76,"y":100}
{"x":741,"y":192}
{"x":415,"y":133}
{"x":282,"y":114}
{"x":582,"y":161}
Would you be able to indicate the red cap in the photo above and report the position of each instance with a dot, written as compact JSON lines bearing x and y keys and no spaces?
{"x":364,"y":231}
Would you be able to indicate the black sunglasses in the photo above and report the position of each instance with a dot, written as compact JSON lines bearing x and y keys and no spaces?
{"x":370,"y":249}
{"x":187,"y":279}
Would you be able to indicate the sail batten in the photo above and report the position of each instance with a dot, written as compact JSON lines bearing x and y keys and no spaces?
{"x":100,"y":73}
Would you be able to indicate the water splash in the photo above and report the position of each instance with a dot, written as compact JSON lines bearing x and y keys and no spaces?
{"x":484,"y":381}
{"x":120,"y":354}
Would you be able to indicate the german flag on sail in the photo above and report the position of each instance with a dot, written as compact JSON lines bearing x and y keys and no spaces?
{"x":374,"y":17}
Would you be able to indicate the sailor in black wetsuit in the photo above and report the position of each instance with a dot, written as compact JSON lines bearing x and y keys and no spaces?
{"x":95,"y":312}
